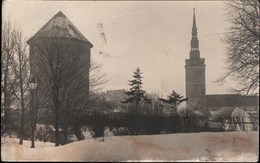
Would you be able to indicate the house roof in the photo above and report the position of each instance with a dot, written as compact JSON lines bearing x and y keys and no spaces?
{"x":231,"y":100}
{"x":60,"y":26}
{"x":250,"y":101}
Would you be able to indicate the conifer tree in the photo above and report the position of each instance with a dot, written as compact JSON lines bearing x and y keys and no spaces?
{"x":136,"y":95}
{"x":174,"y":99}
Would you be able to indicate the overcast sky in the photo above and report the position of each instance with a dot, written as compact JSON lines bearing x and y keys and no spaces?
{"x":154,"y":36}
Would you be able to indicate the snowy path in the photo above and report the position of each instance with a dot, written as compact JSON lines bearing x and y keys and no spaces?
{"x":232,"y":146}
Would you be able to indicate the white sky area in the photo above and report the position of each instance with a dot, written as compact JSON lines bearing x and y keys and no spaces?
{"x":154,"y":36}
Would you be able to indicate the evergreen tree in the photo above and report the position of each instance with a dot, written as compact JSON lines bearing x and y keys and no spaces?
{"x":174,"y":99}
{"x":136,"y":95}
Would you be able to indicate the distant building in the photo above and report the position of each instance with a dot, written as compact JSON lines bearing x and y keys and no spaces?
{"x":196,"y":85}
{"x":116,"y":97}
{"x":247,"y":103}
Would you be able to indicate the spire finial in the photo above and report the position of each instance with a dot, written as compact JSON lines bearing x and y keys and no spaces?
{"x":194,"y":19}
{"x":194,"y":40}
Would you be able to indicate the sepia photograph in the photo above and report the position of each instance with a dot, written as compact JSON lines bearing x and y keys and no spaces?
{"x":130,"y":81}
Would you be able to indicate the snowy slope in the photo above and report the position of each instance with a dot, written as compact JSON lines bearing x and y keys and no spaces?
{"x":228,"y":146}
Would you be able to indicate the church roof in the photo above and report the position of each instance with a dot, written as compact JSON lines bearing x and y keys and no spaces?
{"x":231,"y":100}
{"x":60,"y":26}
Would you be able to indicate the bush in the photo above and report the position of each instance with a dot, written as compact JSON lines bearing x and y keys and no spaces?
{"x":98,"y":124}
{"x":171,"y":124}
{"x":130,"y":122}
{"x":190,"y":121}
{"x":151,"y":124}
{"x":117,"y":131}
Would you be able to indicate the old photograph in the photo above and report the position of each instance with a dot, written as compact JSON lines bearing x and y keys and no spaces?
{"x":130,"y":81}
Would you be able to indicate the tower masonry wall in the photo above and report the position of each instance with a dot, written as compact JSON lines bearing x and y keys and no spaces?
{"x":195,"y":86}
{"x":71,"y":55}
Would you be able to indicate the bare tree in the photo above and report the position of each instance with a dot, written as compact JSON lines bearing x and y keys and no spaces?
{"x":7,"y":78}
{"x":242,"y":42}
{"x":83,"y":101}
{"x":20,"y":65}
{"x":62,"y":78}
{"x":97,"y":78}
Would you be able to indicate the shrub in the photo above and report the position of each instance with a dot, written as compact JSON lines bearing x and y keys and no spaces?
{"x":98,"y":124}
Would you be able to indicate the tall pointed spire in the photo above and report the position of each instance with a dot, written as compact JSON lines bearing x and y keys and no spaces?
{"x":195,"y":73}
{"x":194,"y":40}
{"x":194,"y":27}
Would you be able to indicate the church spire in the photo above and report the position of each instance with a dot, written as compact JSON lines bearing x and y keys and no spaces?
{"x":194,"y":39}
{"x":195,"y":73}
{"x":194,"y":27}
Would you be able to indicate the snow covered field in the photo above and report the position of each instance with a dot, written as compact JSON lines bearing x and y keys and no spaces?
{"x":226,"y":146}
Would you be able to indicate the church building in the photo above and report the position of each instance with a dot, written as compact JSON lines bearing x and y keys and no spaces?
{"x":196,"y":84}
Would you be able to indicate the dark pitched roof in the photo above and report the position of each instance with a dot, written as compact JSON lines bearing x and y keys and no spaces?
{"x":250,"y":101}
{"x":60,"y":26}
{"x":231,"y":100}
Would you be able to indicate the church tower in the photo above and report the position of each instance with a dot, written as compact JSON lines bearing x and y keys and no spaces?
{"x":195,"y":73}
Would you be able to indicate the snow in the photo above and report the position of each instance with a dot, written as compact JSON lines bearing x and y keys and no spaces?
{"x":225,"y":146}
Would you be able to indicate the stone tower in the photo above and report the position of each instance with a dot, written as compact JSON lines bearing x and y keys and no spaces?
{"x":59,"y":38}
{"x":195,"y":73}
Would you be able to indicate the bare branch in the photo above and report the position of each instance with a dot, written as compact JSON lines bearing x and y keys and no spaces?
{"x":243,"y":46}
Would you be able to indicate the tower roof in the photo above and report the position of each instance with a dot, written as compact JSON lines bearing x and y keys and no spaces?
{"x":194,"y":20}
{"x":60,"y":26}
{"x":195,"y":53}
{"x":194,"y":26}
